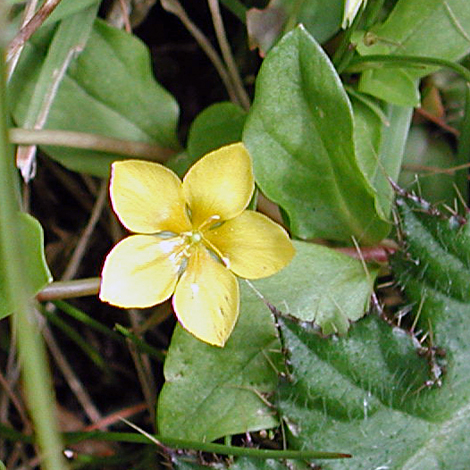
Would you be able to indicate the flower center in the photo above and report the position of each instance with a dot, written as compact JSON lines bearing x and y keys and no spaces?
{"x":195,"y":237}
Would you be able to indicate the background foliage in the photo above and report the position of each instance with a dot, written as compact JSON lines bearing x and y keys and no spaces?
{"x":358,"y":347}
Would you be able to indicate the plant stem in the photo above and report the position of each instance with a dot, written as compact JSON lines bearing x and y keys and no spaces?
{"x":205,"y":446}
{"x":69,"y":289}
{"x":227,"y":54}
{"x":175,"y":7}
{"x":87,"y":141}
{"x":360,"y":63}
{"x":30,"y":27}
{"x":36,"y":376}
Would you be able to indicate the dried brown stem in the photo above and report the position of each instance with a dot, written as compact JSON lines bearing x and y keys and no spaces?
{"x":31,"y":27}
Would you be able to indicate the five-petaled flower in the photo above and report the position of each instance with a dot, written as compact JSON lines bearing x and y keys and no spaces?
{"x":193,"y":237}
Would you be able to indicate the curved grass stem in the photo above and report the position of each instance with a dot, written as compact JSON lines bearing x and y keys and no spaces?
{"x":368,"y":61}
{"x":36,"y":375}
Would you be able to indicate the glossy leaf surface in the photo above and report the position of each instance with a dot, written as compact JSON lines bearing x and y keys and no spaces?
{"x":300,"y":133}
{"x":322,"y":286}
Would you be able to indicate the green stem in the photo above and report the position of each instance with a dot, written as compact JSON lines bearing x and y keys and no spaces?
{"x":123,"y":335}
{"x":72,"y":333}
{"x":82,"y":317}
{"x":141,"y":345}
{"x":212,"y":448}
{"x":36,"y":377}
{"x":136,"y":438}
{"x":360,"y":63}
{"x":83,"y":140}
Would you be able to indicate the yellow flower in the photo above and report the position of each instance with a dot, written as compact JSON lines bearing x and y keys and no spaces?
{"x":194,"y":236}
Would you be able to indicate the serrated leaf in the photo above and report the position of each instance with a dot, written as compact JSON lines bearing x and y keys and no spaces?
{"x":407,"y":31}
{"x":367,"y":392}
{"x":322,"y":286}
{"x":211,"y":392}
{"x":38,"y":272}
{"x":300,"y":132}
{"x":439,"y":246}
{"x":116,"y":97}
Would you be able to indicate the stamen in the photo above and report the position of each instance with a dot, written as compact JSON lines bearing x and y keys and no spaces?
{"x":212,"y":220}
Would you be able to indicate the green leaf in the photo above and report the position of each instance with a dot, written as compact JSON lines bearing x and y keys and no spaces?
{"x":440,"y":248}
{"x":246,"y":463}
{"x":300,"y":132}
{"x":400,"y":88}
{"x":423,"y":149}
{"x":68,"y":40}
{"x":380,"y":136}
{"x":38,"y":271}
{"x":355,"y":393}
{"x":372,"y":393}
{"x":266,"y":26}
{"x":322,"y":286}
{"x":242,"y":463}
{"x":407,"y":31}
{"x":211,"y":392}
{"x":67,"y":8}
{"x":219,"y":124}
{"x":117,"y":97}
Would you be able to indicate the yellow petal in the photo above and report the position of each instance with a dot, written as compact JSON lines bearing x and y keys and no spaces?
{"x":148,"y":197}
{"x":253,"y":245}
{"x":141,"y":271}
{"x":221,"y":183}
{"x":206,"y":300}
